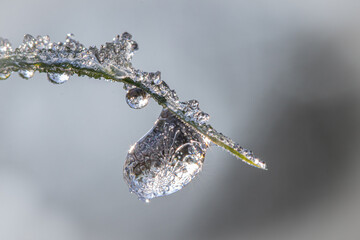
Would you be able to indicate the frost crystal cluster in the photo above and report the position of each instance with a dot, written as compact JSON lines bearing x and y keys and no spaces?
{"x":172,"y":153}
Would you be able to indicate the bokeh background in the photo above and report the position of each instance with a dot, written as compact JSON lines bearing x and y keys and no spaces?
{"x":280,"y":77}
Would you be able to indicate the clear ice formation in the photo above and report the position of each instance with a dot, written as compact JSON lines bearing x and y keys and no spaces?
{"x":154,"y":166}
{"x":166,"y":159}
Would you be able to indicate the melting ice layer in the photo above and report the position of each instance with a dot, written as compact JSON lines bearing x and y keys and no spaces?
{"x":165,"y":159}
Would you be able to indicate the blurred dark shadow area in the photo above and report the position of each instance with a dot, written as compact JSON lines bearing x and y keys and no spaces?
{"x":308,"y":130}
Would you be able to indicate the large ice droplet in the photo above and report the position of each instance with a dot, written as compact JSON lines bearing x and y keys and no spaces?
{"x":137,"y":98}
{"x":165,"y":159}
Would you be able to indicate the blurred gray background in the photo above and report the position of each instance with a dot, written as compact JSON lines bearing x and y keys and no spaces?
{"x":280,"y":77}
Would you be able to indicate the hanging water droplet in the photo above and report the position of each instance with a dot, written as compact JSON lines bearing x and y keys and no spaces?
{"x":26,"y":74}
{"x":165,"y":159}
{"x":137,"y":98}
{"x":4,"y":75}
{"x":58,"y":78}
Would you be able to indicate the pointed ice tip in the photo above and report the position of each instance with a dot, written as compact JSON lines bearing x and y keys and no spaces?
{"x":265,"y":168}
{"x":262,"y":165}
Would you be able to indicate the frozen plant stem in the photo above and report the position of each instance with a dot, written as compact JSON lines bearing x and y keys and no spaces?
{"x":111,"y":62}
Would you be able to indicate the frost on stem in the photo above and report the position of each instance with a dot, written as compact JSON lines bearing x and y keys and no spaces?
{"x":112,"y":62}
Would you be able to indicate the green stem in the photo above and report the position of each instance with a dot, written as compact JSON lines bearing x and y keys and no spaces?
{"x":16,"y":63}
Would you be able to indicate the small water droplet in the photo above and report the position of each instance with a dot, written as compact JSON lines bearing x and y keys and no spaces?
{"x":202,"y":118}
{"x":71,"y":43}
{"x":5,"y":46}
{"x":101,"y":54}
{"x":173,"y":96}
{"x":26,"y":74}
{"x":134,"y":46}
{"x":70,"y":36}
{"x":116,"y":39}
{"x":193,"y":104}
{"x":137,"y":98}
{"x":4,"y":75}
{"x":28,"y":42}
{"x":42,"y":42}
{"x":58,"y":78}
{"x":157,"y":78}
{"x":126,"y":36}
